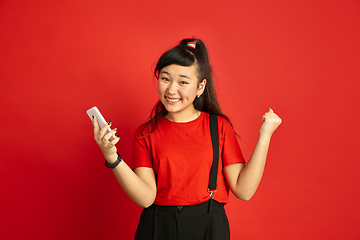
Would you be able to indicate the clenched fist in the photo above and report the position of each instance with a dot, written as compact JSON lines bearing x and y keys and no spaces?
{"x":270,"y":121}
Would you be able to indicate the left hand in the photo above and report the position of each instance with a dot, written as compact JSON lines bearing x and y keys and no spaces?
{"x":270,"y":122}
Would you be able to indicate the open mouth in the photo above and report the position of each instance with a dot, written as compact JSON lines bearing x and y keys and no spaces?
{"x":173,"y":100}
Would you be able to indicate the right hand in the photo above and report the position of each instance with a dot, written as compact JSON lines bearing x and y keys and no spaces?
{"x":107,"y":147}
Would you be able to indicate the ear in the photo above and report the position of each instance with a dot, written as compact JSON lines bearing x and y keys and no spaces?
{"x":201,"y":87}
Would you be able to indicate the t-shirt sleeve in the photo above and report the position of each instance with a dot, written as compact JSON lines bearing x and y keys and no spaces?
{"x":231,"y":152}
{"x":140,"y":153}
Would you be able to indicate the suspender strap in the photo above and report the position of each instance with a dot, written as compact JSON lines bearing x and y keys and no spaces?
{"x":215,"y":145}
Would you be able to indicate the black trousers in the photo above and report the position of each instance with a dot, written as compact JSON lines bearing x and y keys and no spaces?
{"x":206,"y":221}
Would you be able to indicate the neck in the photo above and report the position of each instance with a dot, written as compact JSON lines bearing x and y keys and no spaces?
{"x":181,"y":117}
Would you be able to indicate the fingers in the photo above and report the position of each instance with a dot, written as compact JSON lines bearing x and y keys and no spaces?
{"x":109,"y":134}
{"x":270,"y":116}
{"x":97,"y":131}
{"x":109,"y":140}
{"x":110,"y":143}
{"x":95,"y":123}
{"x":270,"y":123}
{"x":104,"y":134}
{"x":115,"y":141}
{"x":267,"y":114}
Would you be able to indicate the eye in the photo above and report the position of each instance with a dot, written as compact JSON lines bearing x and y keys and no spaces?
{"x":183,"y":82}
{"x":164,"y":79}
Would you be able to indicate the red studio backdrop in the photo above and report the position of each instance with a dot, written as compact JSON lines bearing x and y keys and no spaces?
{"x":59,"y":58}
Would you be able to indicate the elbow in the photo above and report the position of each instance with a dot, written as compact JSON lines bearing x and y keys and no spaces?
{"x":244,"y":196}
{"x":144,"y":205}
{"x":145,"y":202}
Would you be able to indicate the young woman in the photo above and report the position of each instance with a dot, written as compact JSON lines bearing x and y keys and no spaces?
{"x":172,"y":153}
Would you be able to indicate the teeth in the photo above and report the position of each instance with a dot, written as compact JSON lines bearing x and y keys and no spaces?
{"x":172,"y":100}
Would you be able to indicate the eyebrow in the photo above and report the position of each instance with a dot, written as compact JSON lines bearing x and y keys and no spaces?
{"x":185,"y":76}
{"x":181,"y":75}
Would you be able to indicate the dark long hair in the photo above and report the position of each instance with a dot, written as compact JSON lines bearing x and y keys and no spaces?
{"x":186,"y":56}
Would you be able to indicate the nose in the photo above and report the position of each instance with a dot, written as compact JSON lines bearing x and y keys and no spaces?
{"x":172,"y":88}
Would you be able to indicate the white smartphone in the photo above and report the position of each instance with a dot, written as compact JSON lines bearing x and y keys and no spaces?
{"x":101,"y":120}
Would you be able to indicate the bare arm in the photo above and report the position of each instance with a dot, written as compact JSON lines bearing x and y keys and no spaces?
{"x":243,"y":180}
{"x":140,"y":184}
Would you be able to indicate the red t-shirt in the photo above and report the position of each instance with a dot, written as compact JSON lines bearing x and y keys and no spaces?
{"x":181,"y":155}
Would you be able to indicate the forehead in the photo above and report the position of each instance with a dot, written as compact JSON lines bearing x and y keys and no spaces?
{"x":177,"y":70}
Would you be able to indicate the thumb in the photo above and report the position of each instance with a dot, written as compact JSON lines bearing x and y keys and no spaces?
{"x":271,"y":110}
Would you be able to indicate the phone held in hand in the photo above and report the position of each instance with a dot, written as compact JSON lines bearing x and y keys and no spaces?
{"x":101,"y":120}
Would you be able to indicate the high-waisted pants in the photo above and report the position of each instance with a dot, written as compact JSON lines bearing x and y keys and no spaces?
{"x":206,"y":221}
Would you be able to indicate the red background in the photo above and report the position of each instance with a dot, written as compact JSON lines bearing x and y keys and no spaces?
{"x":59,"y":58}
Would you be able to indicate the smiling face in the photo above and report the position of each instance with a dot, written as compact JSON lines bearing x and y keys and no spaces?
{"x":178,"y":87}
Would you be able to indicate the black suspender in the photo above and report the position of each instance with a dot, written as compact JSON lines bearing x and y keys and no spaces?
{"x":215,"y":145}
